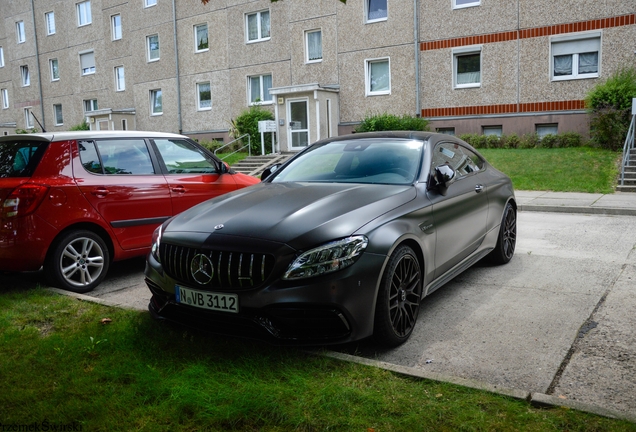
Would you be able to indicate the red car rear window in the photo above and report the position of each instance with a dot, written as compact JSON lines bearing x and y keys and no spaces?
{"x":19,"y":158}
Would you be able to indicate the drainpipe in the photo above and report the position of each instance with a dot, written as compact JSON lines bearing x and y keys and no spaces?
{"x":416,"y":36}
{"x":37,"y":60}
{"x":176,"y":56}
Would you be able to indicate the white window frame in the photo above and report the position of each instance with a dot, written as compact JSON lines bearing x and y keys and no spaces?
{"x":153,"y":96}
{"x":196,"y":38}
{"x":259,"y":30}
{"x":367,"y":8}
{"x":114,"y":27}
{"x":576,"y":44}
{"x":469,"y":3}
{"x":148,"y":51}
{"x":307,"y":33}
{"x":91,"y":70}
{"x":25,"y":76}
{"x":49,"y":18}
{"x":120,"y":82}
{"x":150,"y":3}
{"x":90,"y":103}
{"x":51,"y":70}
{"x":459,"y":52}
{"x":28,"y":118}
{"x":262,"y":101}
{"x":199,"y":107}
{"x":367,"y":76}
{"x":5,"y":98}
{"x":84,"y":14}
{"x":55,"y":114}
{"x":20,"y":32}
{"x":1,"y":57}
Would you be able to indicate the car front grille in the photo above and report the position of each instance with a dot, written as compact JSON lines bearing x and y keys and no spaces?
{"x":215,"y":269}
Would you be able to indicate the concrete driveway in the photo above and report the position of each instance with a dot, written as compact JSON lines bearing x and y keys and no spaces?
{"x":558,"y":320}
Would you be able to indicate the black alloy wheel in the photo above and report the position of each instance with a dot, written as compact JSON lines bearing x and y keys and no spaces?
{"x":507,"y":240}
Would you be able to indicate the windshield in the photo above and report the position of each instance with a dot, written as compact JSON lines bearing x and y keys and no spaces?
{"x":370,"y":160}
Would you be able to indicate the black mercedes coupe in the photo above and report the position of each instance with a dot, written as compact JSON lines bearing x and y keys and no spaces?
{"x":340,"y":243}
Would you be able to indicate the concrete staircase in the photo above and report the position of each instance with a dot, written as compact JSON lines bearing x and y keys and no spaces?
{"x":255,"y":165}
{"x":629,"y":183}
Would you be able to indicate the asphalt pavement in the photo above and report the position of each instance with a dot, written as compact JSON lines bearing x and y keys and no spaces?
{"x":555,"y":326}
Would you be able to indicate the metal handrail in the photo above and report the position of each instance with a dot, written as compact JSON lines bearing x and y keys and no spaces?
{"x":627,"y":147}
{"x":249,"y":146}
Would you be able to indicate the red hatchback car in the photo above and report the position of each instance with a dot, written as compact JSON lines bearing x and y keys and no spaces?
{"x":73,"y":202}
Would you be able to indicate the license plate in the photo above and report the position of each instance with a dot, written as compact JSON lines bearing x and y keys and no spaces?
{"x":207,"y":300}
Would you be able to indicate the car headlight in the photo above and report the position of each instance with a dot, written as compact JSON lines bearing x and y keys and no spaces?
{"x":328,"y":258}
{"x":156,"y":242}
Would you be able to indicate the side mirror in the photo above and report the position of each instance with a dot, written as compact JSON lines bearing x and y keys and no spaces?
{"x":268,"y":171}
{"x":444,"y":176}
{"x":225,"y":167}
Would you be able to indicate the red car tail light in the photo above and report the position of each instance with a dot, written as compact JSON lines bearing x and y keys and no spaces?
{"x":23,"y":200}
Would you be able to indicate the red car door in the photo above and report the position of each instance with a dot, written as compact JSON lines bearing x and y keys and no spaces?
{"x":119,"y":179}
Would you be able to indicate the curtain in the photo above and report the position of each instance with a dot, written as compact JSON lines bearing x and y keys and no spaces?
{"x":205,"y":98}
{"x":157,"y":104}
{"x":267,"y":84}
{"x":202,"y":37}
{"x":377,"y":9}
{"x":252,"y":27}
{"x":314,"y":45}
{"x":469,"y":78}
{"x":264,"y":24}
{"x":562,"y":65}
{"x":588,"y":63}
{"x":379,"y":76}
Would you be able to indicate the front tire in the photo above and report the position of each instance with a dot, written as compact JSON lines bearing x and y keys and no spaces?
{"x":398,"y":301}
{"x":507,"y":240}
{"x":78,"y":262}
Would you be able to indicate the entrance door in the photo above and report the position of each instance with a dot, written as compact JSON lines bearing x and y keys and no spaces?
{"x":298,"y":127}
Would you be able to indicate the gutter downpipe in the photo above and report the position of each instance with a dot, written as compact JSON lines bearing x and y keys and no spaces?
{"x":416,"y":36}
{"x":176,"y":56}
{"x":37,"y":60}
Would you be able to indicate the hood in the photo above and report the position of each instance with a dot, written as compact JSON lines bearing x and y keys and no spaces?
{"x":297,"y":214}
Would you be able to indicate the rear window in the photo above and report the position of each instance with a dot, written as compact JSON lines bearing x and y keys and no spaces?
{"x":20,"y":158}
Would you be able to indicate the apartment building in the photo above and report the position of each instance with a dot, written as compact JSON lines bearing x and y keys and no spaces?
{"x":321,"y":66}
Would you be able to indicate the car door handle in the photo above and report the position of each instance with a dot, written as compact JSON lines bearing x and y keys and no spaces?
{"x":178,"y":189}
{"x":479,"y":188}
{"x":100,"y":192}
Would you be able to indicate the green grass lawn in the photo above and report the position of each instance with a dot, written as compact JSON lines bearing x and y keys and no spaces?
{"x":580,"y":169}
{"x":60,"y":364}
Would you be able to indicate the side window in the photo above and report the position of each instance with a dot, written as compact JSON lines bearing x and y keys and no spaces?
{"x":183,"y":157}
{"x":458,"y":157}
{"x":126,"y":156}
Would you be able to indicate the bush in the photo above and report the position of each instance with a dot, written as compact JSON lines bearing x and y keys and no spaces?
{"x":247,"y":123}
{"x":528,"y":141}
{"x":81,"y":127}
{"x":214,"y":144}
{"x":609,"y":104}
{"x":390,"y":122}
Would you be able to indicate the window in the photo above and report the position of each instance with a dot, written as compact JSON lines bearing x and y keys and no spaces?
{"x":84,"y":16}
{"x":26,"y":77}
{"x":152,"y":44}
{"x":257,"y":26}
{"x":156,"y":103}
{"x":177,"y":153}
{"x":446,"y":130}
{"x":90,"y":105}
{"x":492,"y":130}
{"x":1,"y":57}
{"x":378,"y":77}
{"x":19,"y":30}
{"x":122,"y":156}
{"x":87,"y":63}
{"x":576,"y":57}
{"x":465,"y":3}
{"x":5,"y":98}
{"x":376,"y":10}
{"x":28,"y":119}
{"x":148,"y":3}
{"x":313,"y":48}
{"x":57,"y":112}
{"x":49,"y":17}
{"x":204,"y":96}
{"x":259,"y":89}
{"x":124,"y":124}
{"x":458,"y":157}
{"x":201,"y":38}
{"x":55,"y":70}
{"x":120,"y":81}
{"x":547,"y":129}
{"x":467,"y":67}
{"x":115,"y":26}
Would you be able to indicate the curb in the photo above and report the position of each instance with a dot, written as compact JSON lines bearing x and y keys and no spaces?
{"x":87,"y":298}
{"x":578,"y":210}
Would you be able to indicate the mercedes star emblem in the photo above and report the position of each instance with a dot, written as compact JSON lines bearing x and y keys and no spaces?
{"x":201,"y":269}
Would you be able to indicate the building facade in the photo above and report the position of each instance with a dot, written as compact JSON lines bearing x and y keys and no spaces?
{"x":321,"y":66}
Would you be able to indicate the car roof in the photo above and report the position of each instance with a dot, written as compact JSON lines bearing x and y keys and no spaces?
{"x":73,"y":135}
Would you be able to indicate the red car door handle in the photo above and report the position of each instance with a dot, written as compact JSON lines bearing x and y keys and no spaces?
{"x":479,"y":188}
{"x":100,"y":192}
{"x":178,"y":189}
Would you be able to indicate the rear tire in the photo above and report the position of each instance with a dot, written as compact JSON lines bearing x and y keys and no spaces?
{"x":78,"y":262}
{"x":507,"y":240}
{"x":399,"y":296}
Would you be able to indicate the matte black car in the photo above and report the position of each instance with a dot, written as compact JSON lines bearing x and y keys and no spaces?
{"x":340,"y":243}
